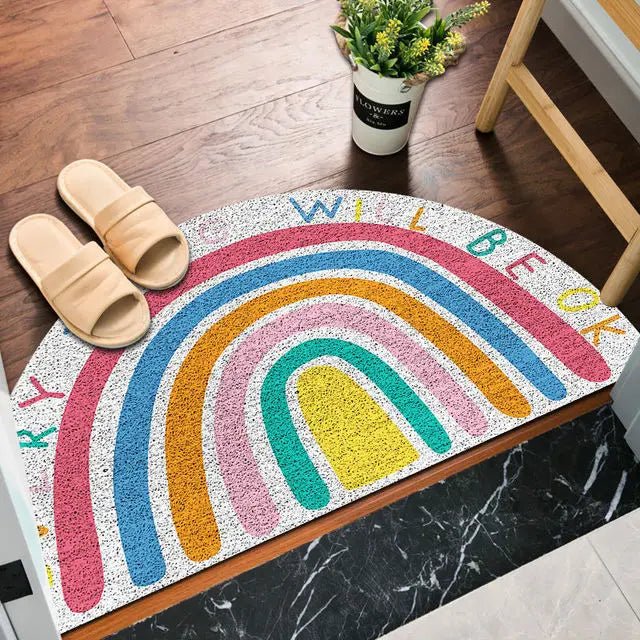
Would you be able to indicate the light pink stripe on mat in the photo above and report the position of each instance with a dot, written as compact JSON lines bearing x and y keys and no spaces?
{"x":241,"y":474}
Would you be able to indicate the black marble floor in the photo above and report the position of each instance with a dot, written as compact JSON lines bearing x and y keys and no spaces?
{"x":386,"y":569}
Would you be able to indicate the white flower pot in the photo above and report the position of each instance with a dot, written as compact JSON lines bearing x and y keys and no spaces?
{"x":383,"y":111}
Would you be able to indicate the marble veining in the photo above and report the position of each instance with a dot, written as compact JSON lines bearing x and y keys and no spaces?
{"x":386,"y":569}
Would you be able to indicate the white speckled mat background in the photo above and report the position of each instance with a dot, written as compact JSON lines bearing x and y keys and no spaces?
{"x":324,"y":344}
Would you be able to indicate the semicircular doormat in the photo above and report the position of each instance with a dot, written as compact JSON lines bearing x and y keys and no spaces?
{"x":323,"y":344}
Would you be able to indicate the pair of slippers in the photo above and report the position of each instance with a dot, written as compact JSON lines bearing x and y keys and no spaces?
{"x":89,"y":287}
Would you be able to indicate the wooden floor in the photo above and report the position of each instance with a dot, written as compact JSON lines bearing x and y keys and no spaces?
{"x":207,"y":102}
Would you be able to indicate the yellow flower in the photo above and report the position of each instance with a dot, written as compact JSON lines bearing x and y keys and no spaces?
{"x":433,"y":68}
{"x":384,"y":44}
{"x":383,"y":39}
{"x":413,"y":54}
{"x":454,"y":40}
{"x":421,"y":45}
{"x":393,"y":27}
{"x":386,"y":40}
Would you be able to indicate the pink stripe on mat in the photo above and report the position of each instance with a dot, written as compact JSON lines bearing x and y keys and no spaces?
{"x":559,"y":337}
{"x":247,"y":490}
{"x":78,"y":550}
{"x":76,"y":537}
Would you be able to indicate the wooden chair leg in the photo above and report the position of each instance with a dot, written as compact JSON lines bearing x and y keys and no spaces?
{"x":623,"y":274}
{"x":513,"y":53}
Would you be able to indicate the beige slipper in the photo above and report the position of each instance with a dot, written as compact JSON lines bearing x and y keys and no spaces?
{"x":134,"y":230}
{"x":89,"y":293}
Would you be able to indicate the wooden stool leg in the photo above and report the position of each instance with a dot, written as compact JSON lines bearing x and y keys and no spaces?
{"x":513,"y":53}
{"x":623,"y":274}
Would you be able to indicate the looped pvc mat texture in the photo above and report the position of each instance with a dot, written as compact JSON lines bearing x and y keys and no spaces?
{"x":323,"y":344}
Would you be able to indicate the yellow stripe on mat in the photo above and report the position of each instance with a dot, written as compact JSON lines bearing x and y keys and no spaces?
{"x":358,"y":438}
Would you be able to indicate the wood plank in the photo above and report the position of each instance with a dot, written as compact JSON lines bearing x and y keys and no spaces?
{"x":516,"y":177}
{"x":157,"y":96}
{"x":47,"y":45}
{"x":162,"y":94}
{"x":153,"y":25}
{"x":294,"y":141}
{"x":574,"y":150}
{"x":191,"y":586}
{"x":626,"y":14}
{"x":11,"y":8}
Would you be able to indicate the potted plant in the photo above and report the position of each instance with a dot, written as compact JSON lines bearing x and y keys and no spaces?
{"x":393,"y":55}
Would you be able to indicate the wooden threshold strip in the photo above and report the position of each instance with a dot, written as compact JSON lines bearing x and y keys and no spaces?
{"x":573,"y":149}
{"x":227,"y":569}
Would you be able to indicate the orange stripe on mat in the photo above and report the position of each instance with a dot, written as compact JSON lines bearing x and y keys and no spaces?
{"x":188,"y":494}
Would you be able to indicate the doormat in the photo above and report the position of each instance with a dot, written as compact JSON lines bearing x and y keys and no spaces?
{"x":324,"y":344}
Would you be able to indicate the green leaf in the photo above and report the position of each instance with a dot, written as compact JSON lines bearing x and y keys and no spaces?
{"x":368,"y":29}
{"x":343,"y":32}
{"x":424,"y":12}
{"x":358,"y":36}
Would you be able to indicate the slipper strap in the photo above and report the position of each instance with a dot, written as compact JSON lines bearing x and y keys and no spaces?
{"x":83,"y":287}
{"x":131,"y":225}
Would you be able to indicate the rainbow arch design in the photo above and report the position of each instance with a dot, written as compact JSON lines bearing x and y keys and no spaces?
{"x":328,"y":329}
